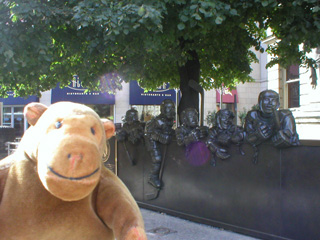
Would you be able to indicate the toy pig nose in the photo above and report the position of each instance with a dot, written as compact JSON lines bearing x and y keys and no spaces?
{"x":75,"y":157}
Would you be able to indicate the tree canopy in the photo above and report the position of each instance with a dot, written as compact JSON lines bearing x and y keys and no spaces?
{"x":44,"y":42}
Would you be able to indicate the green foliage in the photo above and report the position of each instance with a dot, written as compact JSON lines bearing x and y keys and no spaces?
{"x":45,"y":42}
{"x":242,"y":116}
{"x":255,"y":107}
{"x":211,"y":118}
{"x":295,"y":22}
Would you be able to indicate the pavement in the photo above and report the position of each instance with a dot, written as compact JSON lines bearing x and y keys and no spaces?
{"x":160,"y":226}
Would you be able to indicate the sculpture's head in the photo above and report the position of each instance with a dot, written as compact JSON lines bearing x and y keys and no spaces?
{"x":189,"y":117}
{"x":269,"y":101}
{"x":224,"y":119}
{"x":66,"y":141}
{"x":168,"y":109}
{"x":131,"y":116}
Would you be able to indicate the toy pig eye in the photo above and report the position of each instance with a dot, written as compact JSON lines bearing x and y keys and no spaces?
{"x":93,"y":131}
{"x":58,"y":124}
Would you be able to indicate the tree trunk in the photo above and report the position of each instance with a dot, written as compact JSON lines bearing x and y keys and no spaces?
{"x":190,"y":71}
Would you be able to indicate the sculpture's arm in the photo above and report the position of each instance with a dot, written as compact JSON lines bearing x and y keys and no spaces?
{"x":117,"y":208}
{"x":154,"y":129}
{"x":121,"y":135}
{"x":185,"y":136}
{"x":257,"y":131}
{"x":162,"y":137}
{"x":216,"y":149}
{"x":252,"y":135}
{"x":180,"y":136}
{"x":238,"y":136}
{"x":135,"y":133}
{"x":286,"y":136}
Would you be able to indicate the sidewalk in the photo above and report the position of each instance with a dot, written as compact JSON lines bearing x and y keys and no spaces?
{"x":160,"y":226}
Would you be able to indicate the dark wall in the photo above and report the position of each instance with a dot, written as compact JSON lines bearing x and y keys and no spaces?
{"x":277,"y":198}
{"x":7,"y":134}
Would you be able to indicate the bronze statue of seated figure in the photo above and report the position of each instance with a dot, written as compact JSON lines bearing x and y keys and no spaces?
{"x":269,"y":123}
{"x":223,"y":134}
{"x":190,"y":131}
{"x":132,"y":129}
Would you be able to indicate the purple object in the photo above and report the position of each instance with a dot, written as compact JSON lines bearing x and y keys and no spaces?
{"x":197,"y":153}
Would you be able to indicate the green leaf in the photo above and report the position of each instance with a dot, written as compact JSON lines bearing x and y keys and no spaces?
{"x":233,"y":12}
{"x":84,"y":24}
{"x":196,"y":16}
{"x":218,"y":20}
{"x":184,"y":18}
{"x":192,"y":7}
{"x":181,"y":26}
{"x":316,"y":9}
{"x":8,"y":54}
{"x":202,"y":10}
{"x":141,"y":11}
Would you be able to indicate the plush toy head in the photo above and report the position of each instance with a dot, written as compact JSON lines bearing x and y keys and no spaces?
{"x":67,"y":140}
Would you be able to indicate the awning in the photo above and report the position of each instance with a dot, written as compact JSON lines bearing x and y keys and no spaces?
{"x":139,"y":97}
{"x":12,"y":100}
{"x":228,"y":96}
{"x":74,"y":92}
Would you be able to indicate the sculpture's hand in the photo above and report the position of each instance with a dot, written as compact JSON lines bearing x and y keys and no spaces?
{"x":195,"y":134}
{"x":264,"y":130}
{"x":132,"y":138}
{"x":164,"y":138}
{"x":222,"y":153}
{"x":237,"y":137}
{"x":282,"y":138}
{"x":203,"y":132}
{"x":224,"y":138}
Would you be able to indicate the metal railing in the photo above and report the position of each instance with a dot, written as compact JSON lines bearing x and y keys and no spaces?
{"x":11,"y":147}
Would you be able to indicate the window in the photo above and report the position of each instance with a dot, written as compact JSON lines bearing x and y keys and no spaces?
{"x":147,"y":112}
{"x":13,"y":117}
{"x":293,"y":86}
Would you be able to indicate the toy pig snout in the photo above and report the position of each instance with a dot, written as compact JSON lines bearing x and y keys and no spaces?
{"x":74,"y":158}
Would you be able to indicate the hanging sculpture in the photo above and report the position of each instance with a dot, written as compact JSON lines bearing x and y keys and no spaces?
{"x":269,"y":123}
{"x":223,"y":134}
{"x":159,"y":131}
{"x":190,"y":131}
{"x":193,"y":137}
{"x":132,"y":131}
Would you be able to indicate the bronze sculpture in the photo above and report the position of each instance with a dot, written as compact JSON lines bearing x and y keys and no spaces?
{"x":269,"y":123}
{"x":159,"y":131}
{"x":223,"y":134}
{"x":132,"y":131}
{"x":193,"y":137}
{"x":190,"y":131}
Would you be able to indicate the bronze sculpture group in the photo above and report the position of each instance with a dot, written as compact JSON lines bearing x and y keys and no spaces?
{"x":266,"y":123}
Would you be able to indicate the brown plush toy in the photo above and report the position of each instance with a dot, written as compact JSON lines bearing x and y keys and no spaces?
{"x":55,"y":185}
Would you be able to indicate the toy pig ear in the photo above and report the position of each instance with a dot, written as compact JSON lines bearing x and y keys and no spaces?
{"x":109,"y":128}
{"x":33,"y":111}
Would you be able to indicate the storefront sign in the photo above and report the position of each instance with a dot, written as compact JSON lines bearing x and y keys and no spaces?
{"x":12,"y":100}
{"x":227,"y":97}
{"x":74,"y":92}
{"x":139,"y":97}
